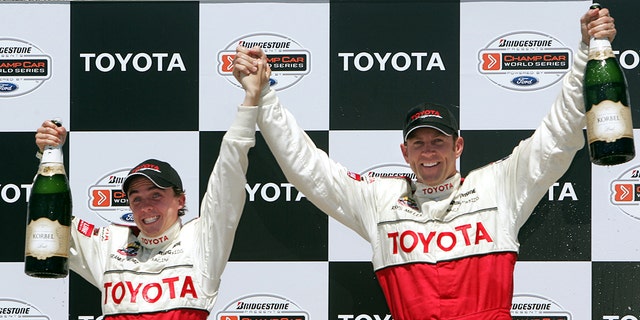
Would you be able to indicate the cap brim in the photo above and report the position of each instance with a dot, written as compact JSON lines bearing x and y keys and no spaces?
{"x":441,"y":129}
{"x":154,"y":180}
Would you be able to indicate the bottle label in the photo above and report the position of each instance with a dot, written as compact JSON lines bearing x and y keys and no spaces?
{"x":609,"y":121}
{"x":46,"y":238}
{"x":601,"y":54}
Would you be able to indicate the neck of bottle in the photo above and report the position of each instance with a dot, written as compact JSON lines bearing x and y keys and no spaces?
{"x":599,"y":43}
{"x":52,"y":155}
{"x":600,"y":49}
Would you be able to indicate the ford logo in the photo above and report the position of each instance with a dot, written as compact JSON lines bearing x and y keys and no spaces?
{"x":128,"y":217}
{"x":7,"y":86}
{"x":524,"y":81}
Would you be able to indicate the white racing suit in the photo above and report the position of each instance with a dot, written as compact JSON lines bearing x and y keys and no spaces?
{"x":175,"y":275}
{"x":446,"y":251}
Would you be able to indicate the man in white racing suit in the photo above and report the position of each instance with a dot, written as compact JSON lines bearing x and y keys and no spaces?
{"x":443,"y":247}
{"x":162,"y":268}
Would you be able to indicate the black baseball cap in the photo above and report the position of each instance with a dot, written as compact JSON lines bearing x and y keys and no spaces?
{"x":159,"y":172}
{"x":430,"y":115}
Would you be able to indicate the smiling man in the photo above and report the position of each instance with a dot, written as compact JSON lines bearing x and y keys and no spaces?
{"x":431,"y":143}
{"x":162,"y":268}
{"x":156,"y":197}
{"x":443,"y":248}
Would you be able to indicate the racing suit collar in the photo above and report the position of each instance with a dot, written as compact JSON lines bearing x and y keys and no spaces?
{"x":162,"y":240}
{"x":438,"y":192}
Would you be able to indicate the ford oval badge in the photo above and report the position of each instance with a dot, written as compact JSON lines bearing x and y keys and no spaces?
{"x":8,"y":86}
{"x":128,"y":217}
{"x":524,"y":81}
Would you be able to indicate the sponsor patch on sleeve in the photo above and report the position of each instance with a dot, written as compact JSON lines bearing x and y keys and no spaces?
{"x":354,"y":176}
{"x":85,"y":228}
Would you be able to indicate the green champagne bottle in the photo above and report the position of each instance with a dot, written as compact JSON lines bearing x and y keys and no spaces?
{"x":49,"y":219}
{"x":609,"y":123}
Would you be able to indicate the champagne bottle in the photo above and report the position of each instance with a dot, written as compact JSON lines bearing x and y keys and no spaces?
{"x":49,"y":218}
{"x":609,"y":123}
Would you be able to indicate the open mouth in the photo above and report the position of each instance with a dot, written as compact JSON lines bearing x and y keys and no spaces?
{"x":150,"y":219}
{"x":431,"y":164}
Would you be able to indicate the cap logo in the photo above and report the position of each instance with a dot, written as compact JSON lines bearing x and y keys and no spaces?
{"x":425,"y":114}
{"x":146,"y":166}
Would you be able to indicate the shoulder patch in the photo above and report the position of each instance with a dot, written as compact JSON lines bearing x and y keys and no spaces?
{"x":131,"y":250}
{"x":354,"y":176}
{"x":85,"y":228}
{"x":409,"y":202}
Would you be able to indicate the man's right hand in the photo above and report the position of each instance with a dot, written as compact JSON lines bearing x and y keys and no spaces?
{"x":252,"y":70}
{"x":597,"y":23}
{"x":50,"y":134}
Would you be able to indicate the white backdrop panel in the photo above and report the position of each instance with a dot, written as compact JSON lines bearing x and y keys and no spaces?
{"x":568,"y":284}
{"x":484,"y":104}
{"x":45,"y":297}
{"x":304,"y":23}
{"x":304,"y":283}
{"x":51,"y":98}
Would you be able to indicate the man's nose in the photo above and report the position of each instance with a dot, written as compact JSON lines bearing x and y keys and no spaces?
{"x":145,"y":204}
{"x":427,"y":148}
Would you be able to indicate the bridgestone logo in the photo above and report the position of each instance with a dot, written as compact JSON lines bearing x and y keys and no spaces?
{"x":262,"y":306}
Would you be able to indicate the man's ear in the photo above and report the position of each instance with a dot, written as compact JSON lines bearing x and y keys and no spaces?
{"x":403,"y":148}
{"x":459,"y":146}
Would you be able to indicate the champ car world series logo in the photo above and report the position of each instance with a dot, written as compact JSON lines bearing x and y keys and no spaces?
{"x":23,"y":67}
{"x":108,"y":201}
{"x":525,"y":61}
{"x":288,"y":60}
{"x":625,"y":192}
